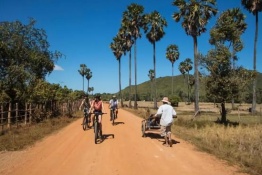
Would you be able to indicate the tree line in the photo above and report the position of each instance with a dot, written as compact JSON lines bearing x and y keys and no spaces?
{"x":225,"y":80}
{"x":25,"y":60}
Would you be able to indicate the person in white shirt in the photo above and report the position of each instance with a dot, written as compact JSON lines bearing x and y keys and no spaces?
{"x":113,"y":106}
{"x":167,"y":114}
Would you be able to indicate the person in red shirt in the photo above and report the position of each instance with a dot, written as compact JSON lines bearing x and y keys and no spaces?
{"x":97,"y":106}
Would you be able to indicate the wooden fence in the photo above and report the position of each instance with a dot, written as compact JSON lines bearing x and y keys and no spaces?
{"x":16,"y":115}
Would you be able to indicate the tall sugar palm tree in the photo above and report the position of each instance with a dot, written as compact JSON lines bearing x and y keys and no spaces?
{"x":133,"y":17}
{"x":125,"y":34}
{"x":195,"y":14}
{"x":154,"y":32}
{"x":182,"y":70}
{"x":151,"y":76}
{"x":172,"y":54}
{"x":88,"y":77}
{"x":254,"y":7}
{"x":82,"y":72}
{"x":117,"y":48}
{"x":188,"y":67}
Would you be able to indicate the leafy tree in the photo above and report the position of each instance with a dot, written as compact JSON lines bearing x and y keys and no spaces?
{"x":254,"y":7}
{"x":195,"y":16}
{"x":229,"y":28}
{"x":220,"y":81}
{"x":133,"y":18}
{"x":154,"y":32}
{"x":88,"y":76}
{"x":24,"y":57}
{"x":82,"y":72}
{"x":172,"y":54}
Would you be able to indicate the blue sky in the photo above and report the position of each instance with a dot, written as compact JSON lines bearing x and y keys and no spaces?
{"x":83,"y":30}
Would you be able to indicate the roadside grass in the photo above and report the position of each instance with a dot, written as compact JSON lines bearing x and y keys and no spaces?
{"x":239,"y":142}
{"x":20,"y":138}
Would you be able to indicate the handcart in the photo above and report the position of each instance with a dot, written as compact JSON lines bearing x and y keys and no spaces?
{"x":150,"y":124}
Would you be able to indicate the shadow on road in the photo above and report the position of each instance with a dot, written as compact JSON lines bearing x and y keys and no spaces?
{"x":159,"y":137}
{"x":106,"y":136}
{"x":117,"y":123}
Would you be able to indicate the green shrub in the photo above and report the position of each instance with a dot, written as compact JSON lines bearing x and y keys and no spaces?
{"x":174,"y":100}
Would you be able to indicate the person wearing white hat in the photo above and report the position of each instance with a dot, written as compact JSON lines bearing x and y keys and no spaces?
{"x":113,"y":106}
{"x":167,"y":114}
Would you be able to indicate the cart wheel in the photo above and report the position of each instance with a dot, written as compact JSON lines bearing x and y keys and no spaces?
{"x":143,"y":129}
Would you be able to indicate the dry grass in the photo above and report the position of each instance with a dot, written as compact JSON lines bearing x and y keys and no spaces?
{"x":17,"y":139}
{"x":239,"y":144}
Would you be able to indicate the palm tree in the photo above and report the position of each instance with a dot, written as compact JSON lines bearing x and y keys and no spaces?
{"x":195,"y":16}
{"x":117,"y":47}
{"x":88,"y":77}
{"x":90,"y":89}
{"x":82,"y":72}
{"x":188,"y":67}
{"x":182,"y":70}
{"x":151,"y":76}
{"x":254,"y":6}
{"x":172,"y":54}
{"x":155,"y":27}
{"x":125,"y":34}
{"x":133,"y":18}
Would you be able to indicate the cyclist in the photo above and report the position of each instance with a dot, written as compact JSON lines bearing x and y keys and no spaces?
{"x":97,"y":106}
{"x":85,"y":103}
{"x":113,"y":106}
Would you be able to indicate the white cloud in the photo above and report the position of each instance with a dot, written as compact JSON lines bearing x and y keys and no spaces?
{"x":58,"y":68}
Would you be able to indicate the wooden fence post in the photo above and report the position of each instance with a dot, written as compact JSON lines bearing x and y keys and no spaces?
{"x":2,"y":117}
{"x":16,"y":115}
{"x":9,"y":116}
{"x":26,"y":113}
{"x":30,"y":113}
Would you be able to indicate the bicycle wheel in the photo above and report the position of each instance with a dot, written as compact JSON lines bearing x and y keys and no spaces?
{"x":84,"y":124}
{"x":89,"y":121}
{"x":113,"y":119}
{"x":96,"y":132}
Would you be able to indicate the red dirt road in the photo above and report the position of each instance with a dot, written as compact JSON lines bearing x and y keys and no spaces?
{"x":72,"y":151}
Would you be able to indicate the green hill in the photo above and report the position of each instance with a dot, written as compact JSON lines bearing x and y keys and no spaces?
{"x":164,"y":88}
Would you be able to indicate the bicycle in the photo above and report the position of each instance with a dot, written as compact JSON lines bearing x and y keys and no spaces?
{"x":113,"y":115}
{"x":97,"y":128}
{"x":86,"y":120}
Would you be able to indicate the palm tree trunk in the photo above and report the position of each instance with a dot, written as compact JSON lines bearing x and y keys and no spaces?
{"x":255,"y":60}
{"x":135,"y":105}
{"x":87,"y":85}
{"x":196,"y":75}
{"x":154,"y":60}
{"x":188,"y":87}
{"x":233,"y":67}
{"x":130,"y":91}
{"x":119,"y":74}
{"x":83,"y":84}
{"x":172,"y":78}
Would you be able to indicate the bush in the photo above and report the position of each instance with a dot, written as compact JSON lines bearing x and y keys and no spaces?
{"x":174,"y":100}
